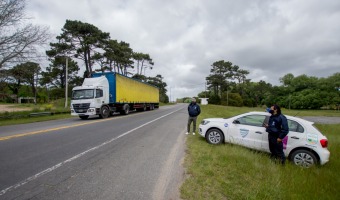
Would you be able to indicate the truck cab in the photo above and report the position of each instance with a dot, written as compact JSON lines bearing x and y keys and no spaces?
{"x":89,"y":99}
{"x":106,"y":93}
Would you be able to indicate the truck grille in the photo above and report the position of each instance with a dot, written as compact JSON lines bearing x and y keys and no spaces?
{"x":81,"y":107}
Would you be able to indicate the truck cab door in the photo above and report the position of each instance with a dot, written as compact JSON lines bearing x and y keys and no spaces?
{"x":99,"y":96}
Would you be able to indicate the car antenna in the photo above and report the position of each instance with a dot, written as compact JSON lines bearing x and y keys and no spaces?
{"x":297,"y":113}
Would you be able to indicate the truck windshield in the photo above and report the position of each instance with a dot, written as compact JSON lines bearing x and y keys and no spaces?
{"x":83,"y":94}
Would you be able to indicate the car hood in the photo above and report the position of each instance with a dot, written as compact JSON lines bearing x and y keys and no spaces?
{"x":215,"y":119}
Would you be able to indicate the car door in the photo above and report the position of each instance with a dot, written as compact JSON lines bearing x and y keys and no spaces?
{"x":248,"y":131}
{"x":264,"y":142}
{"x":295,"y":137}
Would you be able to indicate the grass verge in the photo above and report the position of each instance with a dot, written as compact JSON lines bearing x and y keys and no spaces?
{"x":22,"y":117}
{"x":33,"y":119}
{"x":232,"y":172}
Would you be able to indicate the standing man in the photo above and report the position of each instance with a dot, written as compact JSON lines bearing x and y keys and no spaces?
{"x":277,"y":129}
{"x":193,"y":110}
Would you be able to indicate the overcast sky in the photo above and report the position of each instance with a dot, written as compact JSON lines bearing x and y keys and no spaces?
{"x":270,"y":38}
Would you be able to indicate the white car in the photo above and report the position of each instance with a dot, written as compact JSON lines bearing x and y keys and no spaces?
{"x":304,"y":145}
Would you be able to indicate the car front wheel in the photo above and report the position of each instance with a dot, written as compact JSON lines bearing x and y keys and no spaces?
{"x":214,"y":136}
{"x":304,"y":158}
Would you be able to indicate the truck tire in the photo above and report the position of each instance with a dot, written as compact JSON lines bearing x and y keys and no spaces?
{"x":104,"y":112}
{"x":142,"y":109}
{"x":152,"y":107}
{"x":84,"y":117}
{"x":126,"y":110}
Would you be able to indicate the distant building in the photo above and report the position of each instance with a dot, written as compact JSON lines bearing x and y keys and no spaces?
{"x":204,"y":101}
{"x":26,"y":100}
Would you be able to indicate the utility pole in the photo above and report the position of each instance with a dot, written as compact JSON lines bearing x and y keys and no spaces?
{"x":36,"y":88}
{"x":227,"y":95}
{"x":66,"y":82}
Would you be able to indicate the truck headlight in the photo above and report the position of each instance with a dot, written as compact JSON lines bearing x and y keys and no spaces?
{"x":205,"y":122}
{"x":90,"y":110}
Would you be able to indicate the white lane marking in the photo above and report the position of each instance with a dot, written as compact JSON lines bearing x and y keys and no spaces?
{"x":2,"y":192}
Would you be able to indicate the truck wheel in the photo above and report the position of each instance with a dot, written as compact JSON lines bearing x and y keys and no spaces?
{"x":126,"y":110}
{"x":84,"y":117}
{"x":104,"y":112}
{"x":152,"y":107}
{"x":144,"y":107}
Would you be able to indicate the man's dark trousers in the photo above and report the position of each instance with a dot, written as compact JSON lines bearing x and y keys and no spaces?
{"x":192,"y":119}
{"x":276,"y":148}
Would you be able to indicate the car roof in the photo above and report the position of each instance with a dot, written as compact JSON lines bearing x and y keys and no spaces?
{"x":265,"y":114}
{"x":287,"y":116}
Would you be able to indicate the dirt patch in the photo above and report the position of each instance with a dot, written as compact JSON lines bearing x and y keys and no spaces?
{"x":11,"y":108}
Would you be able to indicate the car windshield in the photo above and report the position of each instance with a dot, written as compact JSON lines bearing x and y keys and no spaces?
{"x":83,"y":94}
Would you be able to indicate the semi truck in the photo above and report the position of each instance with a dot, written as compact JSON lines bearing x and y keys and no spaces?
{"x":106,"y":93}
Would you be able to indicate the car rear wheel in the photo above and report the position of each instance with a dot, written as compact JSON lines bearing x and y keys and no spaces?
{"x":214,"y":136}
{"x":304,"y":158}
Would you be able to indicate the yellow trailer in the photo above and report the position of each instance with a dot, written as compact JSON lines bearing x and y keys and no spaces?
{"x":118,"y":94}
{"x":129,"y":90}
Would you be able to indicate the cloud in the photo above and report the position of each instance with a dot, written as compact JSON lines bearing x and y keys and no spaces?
{"x":270,"y":38}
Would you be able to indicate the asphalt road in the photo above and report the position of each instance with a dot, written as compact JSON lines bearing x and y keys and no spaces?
{"x":138,"y":156}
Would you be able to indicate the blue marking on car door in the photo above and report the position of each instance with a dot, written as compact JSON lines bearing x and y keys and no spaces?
{"x":244,"y":132}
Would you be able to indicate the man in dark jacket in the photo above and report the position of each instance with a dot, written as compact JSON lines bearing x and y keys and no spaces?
{"x":193,"y":110}
{"x":277,"y":129}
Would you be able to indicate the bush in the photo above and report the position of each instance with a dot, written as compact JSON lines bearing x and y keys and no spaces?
{"x":215,"y":99}
{"x":232,"y":99}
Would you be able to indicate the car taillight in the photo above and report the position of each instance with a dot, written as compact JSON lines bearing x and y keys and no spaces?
{"x":324,"y":143}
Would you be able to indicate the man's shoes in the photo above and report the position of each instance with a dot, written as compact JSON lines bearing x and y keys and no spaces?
{"x":187,"y":133}
{"x":193,"y":133}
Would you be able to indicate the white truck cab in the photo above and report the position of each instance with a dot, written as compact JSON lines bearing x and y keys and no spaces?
{"x":88,"y":99}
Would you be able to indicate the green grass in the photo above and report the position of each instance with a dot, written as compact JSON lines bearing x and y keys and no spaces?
{"x":33,"y":119}
{"x":22,"y":117}
{"x":232,"y":172}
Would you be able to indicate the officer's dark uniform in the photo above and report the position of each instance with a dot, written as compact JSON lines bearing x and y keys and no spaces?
{"x":194,"y":110}
{"x":277,"y":128}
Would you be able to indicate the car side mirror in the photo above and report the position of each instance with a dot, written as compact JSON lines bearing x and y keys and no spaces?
{"x":236,"y":122}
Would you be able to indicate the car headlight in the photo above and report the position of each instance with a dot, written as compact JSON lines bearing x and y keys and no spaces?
{"x":204,"y":122}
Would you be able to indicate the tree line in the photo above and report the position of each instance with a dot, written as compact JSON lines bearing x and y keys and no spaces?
{"x":78,"y":43}
{"x":228,"y":85}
